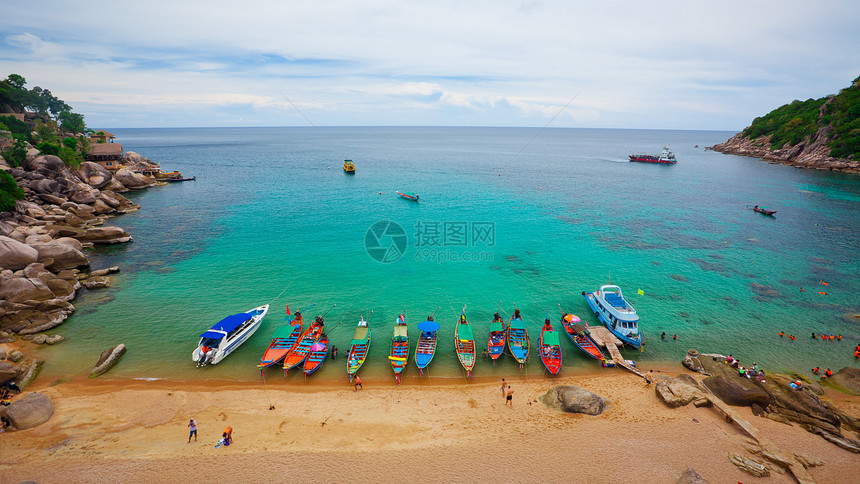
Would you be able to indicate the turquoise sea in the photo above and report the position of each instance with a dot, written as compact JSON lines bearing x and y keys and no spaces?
{"x":516,"y":216}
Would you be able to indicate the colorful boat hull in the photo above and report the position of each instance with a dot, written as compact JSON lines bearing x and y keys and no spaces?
{"x":464,"y":345}
{"x":580,"y":337}
{"x":550,"y":349}
{"x":282,"y":344}
{"x":426,"y":348}
{"x":518,"y":341}
{"x":317,"y":355}
{"x":298,"y":355}
{"x":399,"y":353}
{"x":497,"y":340}
{"x":358,"y":349}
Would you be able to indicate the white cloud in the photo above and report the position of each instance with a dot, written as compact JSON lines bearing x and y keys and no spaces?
{"x":635,"y":64}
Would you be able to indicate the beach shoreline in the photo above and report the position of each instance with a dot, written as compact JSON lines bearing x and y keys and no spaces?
{"x":441,"y":432}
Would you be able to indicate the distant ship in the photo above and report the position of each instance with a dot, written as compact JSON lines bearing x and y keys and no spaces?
{"x":665,"y":157}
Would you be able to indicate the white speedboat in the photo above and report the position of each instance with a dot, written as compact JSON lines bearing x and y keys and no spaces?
{"x":221,"y":339}
{"x":614,"y":312}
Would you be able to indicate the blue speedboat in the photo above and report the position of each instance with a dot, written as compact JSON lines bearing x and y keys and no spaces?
{"x":221,"y":339}
{"x":614,"y":312}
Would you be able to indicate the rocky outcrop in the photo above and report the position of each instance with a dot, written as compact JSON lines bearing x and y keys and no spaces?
{"x":750,"y":466}
{"x":812,"y":152}
{"x":28,"y":412}
{"x":15,"y":255}
{"x":131,"y":180}
{"x":775,"y":398}
{"x":107,"y":360}
{"x":94,"y":174}
{"x":106,"y":235}
{"x":573,"y":399}
{"x":27,"y":372}
{"x":690,"y":476}
{"x":680,"y":391}
{"x":736,"y":391}
{"x":846,"y":380}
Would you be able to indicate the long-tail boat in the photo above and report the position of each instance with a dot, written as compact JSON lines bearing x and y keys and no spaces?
{"x":426,"y":344}
{"x":316,"y":355}
{"x":497,"y":338}
{"x":310,"y":336}
{"x":399,"y":354}
{"x":358,"y":349}
{"x":518,"y":339}
{"x":284,"y":341}
{"x":581,"y":337}
{"x":464,"y":344}
{"x":550,"y":349}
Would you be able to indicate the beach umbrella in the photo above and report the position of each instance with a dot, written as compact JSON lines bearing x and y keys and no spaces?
{"x":428,"y":326}
{"x":317,"y":347}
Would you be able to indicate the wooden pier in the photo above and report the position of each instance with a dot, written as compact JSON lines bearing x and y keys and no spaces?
{"x":604,"y":338}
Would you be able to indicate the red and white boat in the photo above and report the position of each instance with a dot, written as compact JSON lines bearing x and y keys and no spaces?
{"x":666,"y":157}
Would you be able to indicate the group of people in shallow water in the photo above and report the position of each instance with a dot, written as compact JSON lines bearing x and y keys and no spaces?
{"x":824,"y":337}
{"x":753,"y":372}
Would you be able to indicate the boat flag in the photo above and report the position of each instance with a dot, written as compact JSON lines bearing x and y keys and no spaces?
{"x":288,"y":309}
{"x":641,"y":292}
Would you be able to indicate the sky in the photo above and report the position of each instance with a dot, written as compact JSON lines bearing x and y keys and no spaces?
{"x":609,"y":64}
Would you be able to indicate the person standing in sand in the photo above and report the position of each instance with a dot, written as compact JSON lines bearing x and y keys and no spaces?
{"x":504,"y":387}
{"x":358,"y":383}
{"x":192,"y":425}
{"x":510,"y":397}
{"x":649,"y":377}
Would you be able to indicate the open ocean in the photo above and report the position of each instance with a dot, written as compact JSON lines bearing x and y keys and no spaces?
{"x":513,"y":215}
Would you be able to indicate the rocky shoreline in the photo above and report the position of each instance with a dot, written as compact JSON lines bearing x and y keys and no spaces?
{"x":43,"y":243}
{"x":811,"y":153}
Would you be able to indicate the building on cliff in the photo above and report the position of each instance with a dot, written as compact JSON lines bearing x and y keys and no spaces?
{"x":106,"y":154}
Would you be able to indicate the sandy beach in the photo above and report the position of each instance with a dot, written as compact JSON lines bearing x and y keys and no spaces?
{"x":441,"y":431}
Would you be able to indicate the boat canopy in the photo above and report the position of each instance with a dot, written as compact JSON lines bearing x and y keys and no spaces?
{"x":360,"y":335}
{"x":464,"y":331}
{"x":517,"y":324}
{"x":226,"y":325}
{"x":550,"y":338}
{"x":401,"y":331}
{"x":428,"y":326}
{"x":497,"y":326}
{"x":285,"y":331}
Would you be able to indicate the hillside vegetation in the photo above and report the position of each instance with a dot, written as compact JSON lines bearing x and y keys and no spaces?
{"x":800,"y":120}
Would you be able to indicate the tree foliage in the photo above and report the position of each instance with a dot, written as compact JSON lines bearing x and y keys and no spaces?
{"x":799,"y":120}
{"x":16,"y":154}
{"x":48,"y":149}
{"x":72,"y":122}
{"x":70,"y":157}
{"x":10,"y":192}
{"x":16,"y":126}
{"x":70,"y":142}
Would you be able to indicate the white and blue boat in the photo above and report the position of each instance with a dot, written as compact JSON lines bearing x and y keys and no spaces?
{"x":224,"y":337}
{"x":614,"y":312}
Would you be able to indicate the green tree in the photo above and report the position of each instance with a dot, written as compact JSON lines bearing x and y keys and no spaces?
{"x":10,"y":192}
{"x":45,"y":133}
{"x":85,"y":144}
{"x":16,"y":154}
{"x":70,"y":157}
{"x":16,"y":126}
{"x":48,"y":149}
{"x":72,"y":122}
{"x":70,"y":142}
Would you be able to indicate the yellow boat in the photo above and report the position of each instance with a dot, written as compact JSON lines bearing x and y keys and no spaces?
{"x":348,"y":166}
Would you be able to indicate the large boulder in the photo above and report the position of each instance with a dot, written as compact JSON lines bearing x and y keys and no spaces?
{"x":573,"y":399}
{"x":20,"y":289}
{"x":8,"y":372}
{"x":107,"y":360}
{"x":45,"y":164}
{"x":106,"y":235}
{"x":736,"y":391}
{"x":679,"y":391}
{"x":29,"y":209}
{"x":84,"y":195}
{"x":46,"y":186}
{"x":15,"y":255}
{"x":94,"y":174}
{"x":63,"y":256}
{"x":802,"y":406}
{"x":130,"y":179}
{"x":31,"y":411}
{"x":846,"y":380}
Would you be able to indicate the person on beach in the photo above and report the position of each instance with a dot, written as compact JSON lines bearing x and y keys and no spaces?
{"x":228,"y":435}
{"x":816,"y":370}
{"x":504,"y":386}
{"x":649,"y":377}
{"x":358,"y":383}
{"x":510,"y":396}
{"x":333,"y":352}
{"x":827,"y":374}
{"x":192,"y":425}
